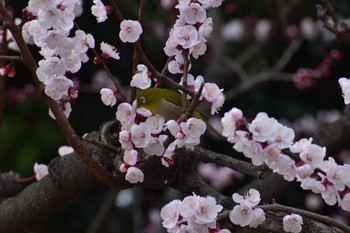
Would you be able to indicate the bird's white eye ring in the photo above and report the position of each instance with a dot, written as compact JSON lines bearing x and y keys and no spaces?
{"x":143,"y":100}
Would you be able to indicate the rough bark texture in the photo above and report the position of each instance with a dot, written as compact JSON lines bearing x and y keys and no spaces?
{"x":68,"y":178}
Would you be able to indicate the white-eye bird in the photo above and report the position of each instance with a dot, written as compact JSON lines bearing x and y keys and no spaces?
{"x":165,"y":102}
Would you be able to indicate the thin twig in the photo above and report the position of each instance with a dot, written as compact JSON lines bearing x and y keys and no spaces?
{"x":208,"y":156}
{"x":116,"y":10}
{"x":319,"y":218}
{"x":11,"y":58}
{"x":135,"y":59}
{"x":184,"y":78}
{"x":194,"y":103}
{"x":146,"y":61}
{"x":287,"y":54}
{"x":256,"y":80}
{"x":25,"y":180}
{"x":108,"y":71}
{"x":4,"y":49}
{"x":330,"y":9}
{"x":103,"y":213}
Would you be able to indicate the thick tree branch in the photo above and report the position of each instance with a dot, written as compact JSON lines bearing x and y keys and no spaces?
{"x":208,"y":156}
{"x":68,"y":178}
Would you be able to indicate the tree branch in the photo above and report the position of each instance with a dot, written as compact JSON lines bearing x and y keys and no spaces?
{"x":68,"y":178}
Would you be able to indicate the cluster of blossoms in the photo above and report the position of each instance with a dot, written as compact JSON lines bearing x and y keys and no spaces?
{"x":190,"y":32}
{"x":8,"y":70}
{"x":188,"y":38}
{"x":245,"y":214}
{"x":265,"y":140}
{"x":199,"y":214}
{"x":192,"y":214}
{"x":142,"y":130}
{"x":307,"y":77}
{"x":49,"y":28}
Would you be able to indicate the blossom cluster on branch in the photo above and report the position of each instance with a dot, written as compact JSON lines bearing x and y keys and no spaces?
{"x":265,"y":140}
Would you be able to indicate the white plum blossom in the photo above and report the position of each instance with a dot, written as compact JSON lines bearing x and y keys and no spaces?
{"x":187,"y":133}
{"x":140,"y":135}
{"x":66,"y":108}
{"x":134,"y":175}
{"x":242,"y":215}
{"x":36,"y":32}
{"x":176,"y":66}
{"x":65,"y":150}
{"x":40,"y":171}
{"x":230,"y":121}
{"x":213,"y":94}
{"x":189,"y":206}
{"x":206,"y":28}
{"x":258,"y":218}
{"x":245,"y":213}
{"x":207,"y":210}
{"x":199,"y":49}
{"x":192,"y":13}
{"x":283,"y":137}
{"x":345,"y":202}
{"x":216,"y":3}
{"x":186,"y":36}
{"x":58,"y":87}
{"x":108,"y":97}
{"x":313,"y":154}
{"x":156,"y":145}
{"x":331,"y":194}
{"x":155,"y":123}
{"x":125,"y":114}
{"x":262,"y":127}
{"x":303,"y":171}
{"x":130,"y":31}
{"x":193,"y":83}
{"x":144,"y":112}
{"x":300,"y":145}
{"x":252,"y":198}
{"x":125,"y":140}
{"x":338,"y":175}
{"x":292,"y":223}
{"x":193,"y":127}
{"x":109,"y":51}
{"x":130,"y":157}
{"x":170,"y":213}
{"x":86,"y":41}
{"x":141,"y":79}
{"x":98,"y":10}
{"x":193,"y":214}
{"x":345,"y":87}
{"x":49,"y":67}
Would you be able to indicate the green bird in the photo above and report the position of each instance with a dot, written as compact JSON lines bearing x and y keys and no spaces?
{"x":164,"y":102}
